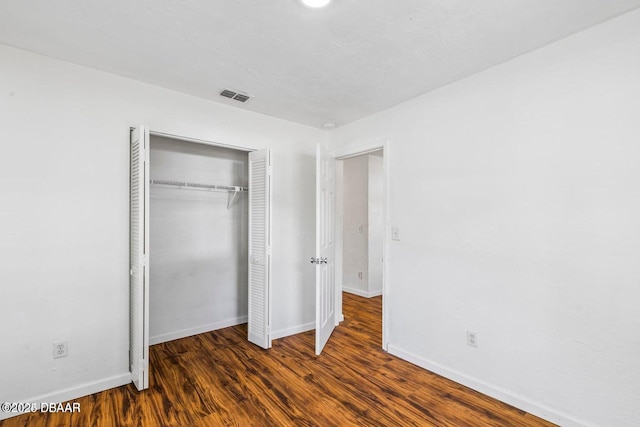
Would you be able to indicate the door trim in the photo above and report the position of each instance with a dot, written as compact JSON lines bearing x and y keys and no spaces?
{"x":200,"y":141}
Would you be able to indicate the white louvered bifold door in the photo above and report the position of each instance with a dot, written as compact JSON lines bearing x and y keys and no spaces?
{"x":139,"y":259}
{"x":259,"y":248}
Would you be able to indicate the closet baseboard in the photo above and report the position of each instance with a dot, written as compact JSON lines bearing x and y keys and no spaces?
{"x":292,"y":331}
{"x":197,"y":330}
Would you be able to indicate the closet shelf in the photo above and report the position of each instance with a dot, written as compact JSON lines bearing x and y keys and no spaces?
{"x":202,"y":187}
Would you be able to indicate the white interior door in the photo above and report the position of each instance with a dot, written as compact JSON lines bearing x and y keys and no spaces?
{"x":259,"y":316}
{"x":139,"y":259}
{"x":325,"y":247}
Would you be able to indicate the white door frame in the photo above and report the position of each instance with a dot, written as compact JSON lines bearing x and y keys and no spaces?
{"x":357,"y":149}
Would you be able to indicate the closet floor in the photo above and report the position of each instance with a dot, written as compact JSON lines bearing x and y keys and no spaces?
{"x":219,"y":379}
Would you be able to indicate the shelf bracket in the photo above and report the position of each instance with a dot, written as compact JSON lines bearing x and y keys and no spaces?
{"x":232,"y":197}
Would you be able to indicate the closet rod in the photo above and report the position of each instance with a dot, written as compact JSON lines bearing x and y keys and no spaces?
{"x":195,"y":186}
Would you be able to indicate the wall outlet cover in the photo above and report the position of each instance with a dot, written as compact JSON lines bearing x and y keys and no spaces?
{"x":472,"y":338}
{"x":60,"y":349}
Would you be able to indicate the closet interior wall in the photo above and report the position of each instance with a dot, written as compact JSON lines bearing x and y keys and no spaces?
{"x":198,"y":244}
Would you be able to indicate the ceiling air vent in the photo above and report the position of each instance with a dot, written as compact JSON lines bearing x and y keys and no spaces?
{"x":238,"y":96}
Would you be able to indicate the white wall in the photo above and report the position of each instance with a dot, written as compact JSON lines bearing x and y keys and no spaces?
{"x":355,"y":224}
{"x":517,"y":196}
{"x":64,"y":175}
{"x":375,"y":201}
{"x":198,"y":244}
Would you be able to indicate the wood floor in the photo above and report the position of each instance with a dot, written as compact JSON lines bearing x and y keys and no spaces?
{"x":219,"y":379}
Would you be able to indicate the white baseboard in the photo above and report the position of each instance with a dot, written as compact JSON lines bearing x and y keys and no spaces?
{"x":506,"y":396}
{"x":68,"y":394}
{"x":360,"y":292}
{"x":292,"y":331}
{"x":197,"y":330}
{"x":225,"y":324}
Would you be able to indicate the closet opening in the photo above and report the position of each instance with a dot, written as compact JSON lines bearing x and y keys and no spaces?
{"x":198,"y":234}
{"x":200,"y":243}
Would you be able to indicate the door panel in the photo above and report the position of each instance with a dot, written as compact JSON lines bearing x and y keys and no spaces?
{"x":139,"y":259}
{"x":259,"y":319}
{"x":325,"y":247}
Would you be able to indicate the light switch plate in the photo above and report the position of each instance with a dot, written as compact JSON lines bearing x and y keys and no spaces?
{"x":395,"y":233}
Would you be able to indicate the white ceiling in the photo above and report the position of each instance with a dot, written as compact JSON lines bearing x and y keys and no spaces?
{"x":310,"y":66}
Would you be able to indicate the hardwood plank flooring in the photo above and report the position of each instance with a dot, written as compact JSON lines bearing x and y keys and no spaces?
{"x":219,"y":379}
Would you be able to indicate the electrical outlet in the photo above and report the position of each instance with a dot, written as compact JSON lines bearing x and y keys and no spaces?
{"x":60,"y":349}
{"x":360,"y":229}
{"x":360,"y":275}
{"x":472,"y":338}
